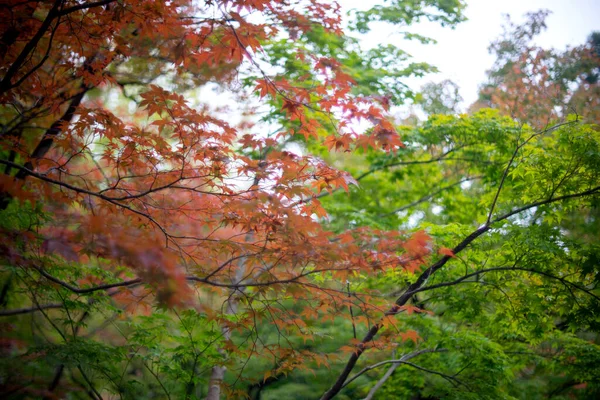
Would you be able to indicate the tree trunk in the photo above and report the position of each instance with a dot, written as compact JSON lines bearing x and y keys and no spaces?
{"x":218,"y":371}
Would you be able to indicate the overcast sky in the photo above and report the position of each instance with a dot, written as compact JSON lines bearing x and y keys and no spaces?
{"x":461,"y":54}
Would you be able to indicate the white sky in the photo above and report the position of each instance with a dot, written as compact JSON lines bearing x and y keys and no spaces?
{"x":461,"y":54}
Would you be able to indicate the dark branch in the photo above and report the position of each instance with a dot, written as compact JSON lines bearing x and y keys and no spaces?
{"x":531,"y":270}
{"x":86,"y":290}
{"x":5,"y":84}
{"x":48,"y":139}
{"x":405,"y":297}
{"x":85,"y":6}
{"x":401,"y":360}
{"x":29,"y":310}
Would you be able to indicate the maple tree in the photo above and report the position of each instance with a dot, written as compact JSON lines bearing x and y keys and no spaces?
{"x":158,"y":245}
{"x":538,"y":85}
{"x":162,"y":203}
{"x":510,"y":313}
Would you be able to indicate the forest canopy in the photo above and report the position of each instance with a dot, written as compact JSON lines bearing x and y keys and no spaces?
{"x":217,"y":199}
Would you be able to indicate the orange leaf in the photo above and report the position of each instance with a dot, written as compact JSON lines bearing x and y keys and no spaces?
{"x":418,"y":244}
{"x":446,"y":252}
{"x":410,"y":335}
{"x":265,"y":87}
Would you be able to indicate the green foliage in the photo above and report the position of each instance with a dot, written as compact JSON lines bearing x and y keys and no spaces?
{"x":504,"y":301}
{"x":518,"y":330}
{"x":439,"y":98}
{"x":403,"y":12}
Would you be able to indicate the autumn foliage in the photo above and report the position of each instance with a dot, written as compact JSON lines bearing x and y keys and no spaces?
{"x":539,"y":85}
{"x":176,"y":205}
{"x":165,"y":168}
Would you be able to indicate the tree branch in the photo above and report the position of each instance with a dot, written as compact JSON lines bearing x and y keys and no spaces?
{"x":85,"y":6}
{"x":5,"y":84}
{"x":85,"y":290}
{"x":531,"y":270}
{"x":403,"y":299}
{"x":29,"y":310}
{"x":504,"y":175}
{"x":512,"y":159}
{"x":373,"y":170}
{"x":48,"y":138}
{"x":396,"y":364}
{"x":398,"y":163}
{"x":381,"y":381}
{"x":429,"y":196}
{"x":401,"y":360}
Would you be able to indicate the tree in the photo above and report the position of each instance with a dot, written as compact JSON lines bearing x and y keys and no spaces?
{"x":119,"y":194}
{"x":538,"y":85}
{"x":156,"y":245}
{"x":508,"y":294}
{"x":440,"y":98}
